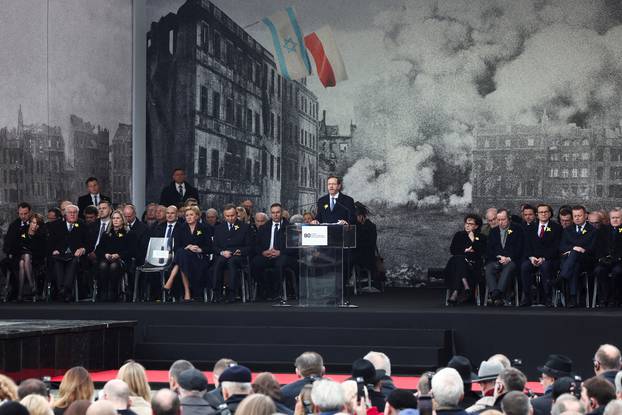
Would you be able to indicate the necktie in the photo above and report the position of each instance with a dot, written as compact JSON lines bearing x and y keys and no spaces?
{"x":169,"y":240}
{"x":230,"y":227}
{"x":578,"y":229}
{"x":70,"y":227}
{"x":102,"y":229}
{"x":541,"y":231}
{"x":332,"y":203}
{"x":180,"y":189}
{"x":274,"y":231}
{"x":96,"y":200}
{"x":504,"y":236}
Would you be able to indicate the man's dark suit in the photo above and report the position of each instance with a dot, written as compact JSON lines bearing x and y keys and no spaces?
{"x":513,"y":249}
{"x":541,"y":241}
{"x":11,"y":239}
{"x":574,"y":262}
{"x":260,"y":263}
{"x":608,"y":254}
{"x":239,"y":237}
{"x":542,"y":404}
{"x":170,"y":195}
{"x":290,"y":391}
{"x":342,"y":210}
{"x":67,"y":243}
{"x":87,"y":200}
{"x":139,"y":238}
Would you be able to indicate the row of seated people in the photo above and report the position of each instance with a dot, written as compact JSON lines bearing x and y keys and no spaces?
{"x":560,"y":252}
{"x":105,"y":248}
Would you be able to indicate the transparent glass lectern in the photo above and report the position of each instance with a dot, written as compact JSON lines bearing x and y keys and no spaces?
{"x":323,"y":259}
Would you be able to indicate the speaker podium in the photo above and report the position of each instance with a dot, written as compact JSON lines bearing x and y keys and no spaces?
{"x":323,"y":259}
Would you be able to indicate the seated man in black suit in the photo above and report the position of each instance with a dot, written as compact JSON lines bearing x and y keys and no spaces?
{"x":541,"y":253}
{"x":271,"y":253}
{"x":503,"y":254}
{"x":576,"y":248}
{"x":178,"y":191}
{"x":232,"y":244}
{"x":335,"y":207}
{"x":93,"y":197}
{"x":69,"y":241}
{"x":138,"y":234}
{"x":608,"y":255}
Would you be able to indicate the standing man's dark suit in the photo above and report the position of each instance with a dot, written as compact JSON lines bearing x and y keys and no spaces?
{"x":261,"y":263}
{"x":343,"y":209}
{"x":65,"y":241}
{"x":512,"y":248}
{"x":608,"y":255}
{"x":88,"y":200}
{"x":139,"y":237}
{"x":233,"y":238}
{"x":171,"y":195}
{"x":574,"y":262}
{"x":541,"y":241}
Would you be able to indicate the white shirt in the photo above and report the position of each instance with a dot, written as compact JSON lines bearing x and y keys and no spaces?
{"x":104,"y":223}
{"x":272,"y":233}
{"x":183,"y":188}
{"x":96,"y":198}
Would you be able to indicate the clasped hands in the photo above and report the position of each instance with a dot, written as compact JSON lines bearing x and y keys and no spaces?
{"x":271,"y":253}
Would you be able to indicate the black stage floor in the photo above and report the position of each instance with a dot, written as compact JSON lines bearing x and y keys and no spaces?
{"x":411,"y":325}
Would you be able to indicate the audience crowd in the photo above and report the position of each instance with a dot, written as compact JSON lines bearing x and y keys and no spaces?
{"x":370,"y":390}
{"x":92,"y":249}
{"x":577,"y":254}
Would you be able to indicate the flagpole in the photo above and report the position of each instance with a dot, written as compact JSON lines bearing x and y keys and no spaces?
{"x":252,"y":24}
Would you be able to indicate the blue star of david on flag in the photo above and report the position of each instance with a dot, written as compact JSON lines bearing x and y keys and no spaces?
{"x":289,"y":45}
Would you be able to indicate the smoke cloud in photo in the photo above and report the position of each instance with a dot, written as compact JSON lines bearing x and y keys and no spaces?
{"x":464,"y":64}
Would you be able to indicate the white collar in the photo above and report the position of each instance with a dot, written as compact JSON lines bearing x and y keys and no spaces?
{"x":543,"y":224}
{"x":182,"y":184}
{"x":171,"y":224}
{"x":336,"y":195}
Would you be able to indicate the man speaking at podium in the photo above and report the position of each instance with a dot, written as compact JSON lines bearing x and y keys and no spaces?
{"x":335,"y":207}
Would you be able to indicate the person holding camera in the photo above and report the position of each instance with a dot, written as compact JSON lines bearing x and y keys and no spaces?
{"x":309,"y":367}
{"x":366,"y":376}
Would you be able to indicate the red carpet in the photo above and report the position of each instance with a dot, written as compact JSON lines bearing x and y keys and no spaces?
{"x":161,"y":376}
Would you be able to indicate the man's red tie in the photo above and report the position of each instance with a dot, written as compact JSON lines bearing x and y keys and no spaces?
{"x":541,"y":231}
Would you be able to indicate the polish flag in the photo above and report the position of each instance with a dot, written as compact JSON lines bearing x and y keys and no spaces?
{"x":330,"y":67}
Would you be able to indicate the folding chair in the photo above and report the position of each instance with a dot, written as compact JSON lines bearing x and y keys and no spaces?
{"x":157,"y":260}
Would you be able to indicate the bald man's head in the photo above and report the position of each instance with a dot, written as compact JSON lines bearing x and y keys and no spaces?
{"x":118,"y":393}
{"x":165,"y":402}
{"x":607,"y":358}
{"x":101,"y":408}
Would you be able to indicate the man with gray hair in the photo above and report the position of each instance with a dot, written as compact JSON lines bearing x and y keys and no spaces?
{"x":118,"y":394}
{"x":509,"y":380}
{"x":192,"y":386}
{"x":448,"y":391}
{"x":608,"y":254}
{"x":165,"y":402}
{"x":309,"y":367}
{"x":211,"y":217}
{"x":607,"y":362}
{"x":567,"y":403}
{"x":491,"y":221}
{"x":327,"y":396}
{"x":236,"y":385}
{"x":381,"y":362}
{"x":69,"y":242}
{"x":260,"y":219}
{"x":516,"y":403}
{"x":175,"y":370}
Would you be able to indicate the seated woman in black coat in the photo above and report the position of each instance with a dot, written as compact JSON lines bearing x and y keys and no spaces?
{"x":112,"y":252}
{"x":30,"y":252}
{"x":193,"y":245}
{"x":464,"y":268}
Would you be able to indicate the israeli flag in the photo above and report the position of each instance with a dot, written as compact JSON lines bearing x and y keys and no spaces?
{"x":289,"y":47}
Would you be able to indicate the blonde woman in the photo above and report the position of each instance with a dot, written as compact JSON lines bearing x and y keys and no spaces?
{"x":8,"y":389}
{"x":256,"y":404}
{"x":242,"y":214}
{"x":134,"y":375}
{"x":112,"y":252}
{"x":37,"y":405}
{"x":76,"y":385}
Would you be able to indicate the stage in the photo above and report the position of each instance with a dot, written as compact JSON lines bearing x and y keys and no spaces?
{"x":411,"y":325}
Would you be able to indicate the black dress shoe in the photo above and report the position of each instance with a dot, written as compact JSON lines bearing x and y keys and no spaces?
{"x":525,"y":303}
{"x":572,"y":302}
{"x":548,"y":303}
{"x":558,"y":282}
